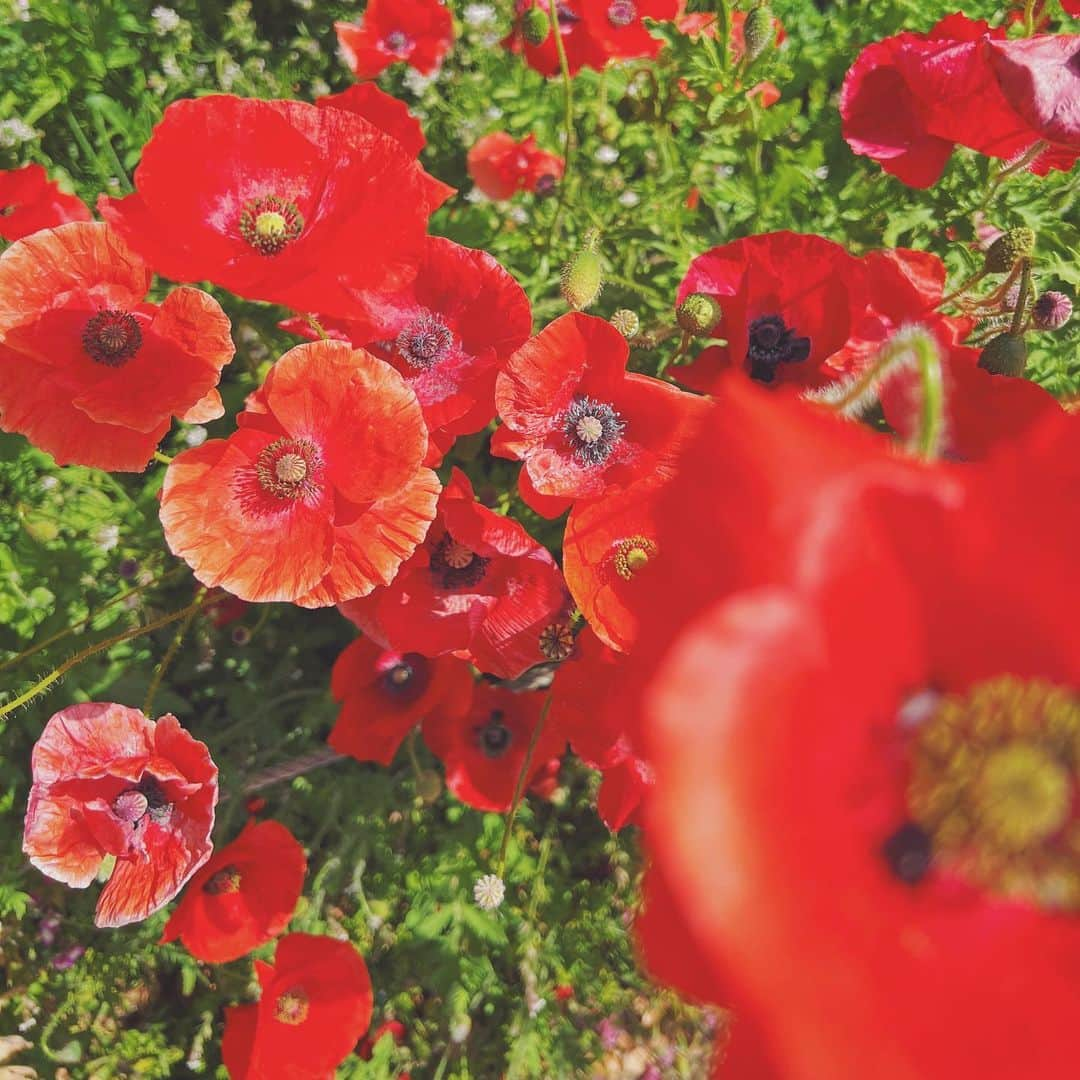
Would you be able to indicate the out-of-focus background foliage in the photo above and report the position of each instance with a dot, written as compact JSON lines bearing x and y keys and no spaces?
{"x":669,"y":161}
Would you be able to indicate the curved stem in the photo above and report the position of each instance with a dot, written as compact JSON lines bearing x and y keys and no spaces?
{"x":173,"y":649}
{"x":568,"y":117}
{"x":163,"y":458}
{"x":519,"y":787}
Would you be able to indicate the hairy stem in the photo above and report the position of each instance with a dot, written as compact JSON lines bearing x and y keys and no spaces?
{"x":519,"y":786}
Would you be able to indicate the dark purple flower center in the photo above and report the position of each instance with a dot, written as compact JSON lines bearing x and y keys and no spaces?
{"x":770,"y":344}
{"x":397,"y":41}
{"x":112,"y":337}
{"x":493,"y":737}
{"x":621,"y":12}
{"x":565,"y":16}
{"x":454,"y":566}
{"x":405,"y":678}
{"x":226,"y":880}
{"x":593,"y":428}
{"x":424,"y":342}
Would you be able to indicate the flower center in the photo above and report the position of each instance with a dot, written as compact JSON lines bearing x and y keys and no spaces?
{"x":770,"y":344}
{"x":494,"y":737}
{"x":565,"y":16}
{"x":226,"y":880}
{"x":129,"y":806}
{"x":269,"y":224}
{"x":293,"y":1006}
{"x":146,"y":799}
{"x":424,"y":342}
{"x":994,"y":784}
{"x":593,"y":428}
{"x":556,"y":641}
{"x":632,"y":555}
{"x":621,"y":12}
{"x":112,"y":337}
{"x":287,"y":467}
{"x":454,"y":566}
{"x":403,"y":677}
{"x":397,"y":41}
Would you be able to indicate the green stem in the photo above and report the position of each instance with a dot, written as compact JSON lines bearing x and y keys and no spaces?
{"x":723,"y":12}
{"x":519,"y":787}
{"x":568,"y":118}
{"x":84,"y":144}
{"x":172,"y":650}
{"x":117,"y":639}
{"x":1022,"y":297}
{"x":163,"y":458}
{"x":316,"y":326}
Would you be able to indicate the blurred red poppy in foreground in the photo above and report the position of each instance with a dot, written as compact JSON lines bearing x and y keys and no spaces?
{"x":480,"y":586}
{"x":389,"y":114}
{"x":315,"y":1005}
{"x":416,"y":32}
{"x":110,"y":782}
{"x":385,"y":694}
{"x":89,"y":371}
{"x":500,"y":166}
{"x":280,"y":510}
{"x":244,"y":896}
{"x":910,"y":99}
{"x":29,"y":201}
{"x":581,"y":424}
{"x":448,"y":332}
{"x":484,"y":751}
{"x":294,"y":193}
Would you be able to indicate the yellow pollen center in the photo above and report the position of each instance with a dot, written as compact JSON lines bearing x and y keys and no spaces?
{"x":994,"y":783}
{"x":290,"y":468}
{"x":458,"y":555}
{"x":589,"y":429}
{"x":270,"y":225}
{"x":637,"y":558}
{"x":633,"y":555}
{"x":292,"y":1007}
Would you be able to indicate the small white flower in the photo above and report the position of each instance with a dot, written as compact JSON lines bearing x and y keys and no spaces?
{"x":822,"y":173}
{"x":107,"y":537}
{"x":418,"y":83}
{"x":607,"y":155}
{"x":493,"y":112}
{"x":518,"y":214}
{"x":170,"y":68}
{"x":22,"y":10}
{"x":320,"y":88}
{"x":195,"y":435}
{"x":165,"y":20}
{"x":475,"y":195}
{"x":536,"y":1006}
{"x":230,"y":72}
{"x":15,"y":131}
{"x":629,"y":199}
{"x":459,"y":1029}
{"x":479,"y":14}
{"x":489,"y":891}
{"x":48,"y":483}
{"x":725,"y":171}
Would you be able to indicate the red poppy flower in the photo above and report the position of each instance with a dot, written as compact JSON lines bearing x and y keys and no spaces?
{"x":244,"y":896}
{"x":582,"y":49}
{"x":394,"y":1028}
{"x":581,"y":424}
{"x":584,"y":684}
{"x":625,"y":783}
{"x":617,"y":28}
{"x":88,"y":371}
{"x":110,"y":782}
{"x":484,"y":751}
{"x":29,"y":201}
{"x":479,"y":586}
{"x":886,"y":792}
{"x":294,"y":192}
{"x":387,"y":113}
{"x":315,"y":1005}
{"x":384,"y":694}
{"x":448,"y":333}
{"x":222,"y":608}
{"x":501,"y":166}
{"x":704,"y":23}
{"x":416,"y":32}
{"x":280,"y":511}
{"x":908,"y":100}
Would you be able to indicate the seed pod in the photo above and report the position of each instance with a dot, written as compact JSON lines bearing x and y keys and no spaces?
{"x":1003,"y":253}
{"x":1051,"y":311}
{"x":535,"y":25}
{"x":582,"y":277}
{"x":1005,"y":354}
{"x":626,"y":322}
{"x":698,"y":314}
{"x":758,"y":32}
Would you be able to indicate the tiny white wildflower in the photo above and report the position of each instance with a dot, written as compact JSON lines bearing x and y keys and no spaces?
{"x":107,"y":537}
{"x":629,"y":199}
{"x":479,"y":14}
{"x":607,"y":155}
{"x":15,"y":131}
{"x":195,"y":435}
{"x":489,"y":891}
{"x":48,"y":483}
{"x":165,"y":20}
{"x":170,"y":68}
{"x":822,"y":173}
{"x":518,"y":214}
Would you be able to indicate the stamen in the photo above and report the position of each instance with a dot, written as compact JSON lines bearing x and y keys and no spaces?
{"x":226,"y":880}
{"x":771,"y":343}
{"x":621,"y":12}
{"x":269,"y":224}
{"x":112,"y":337}
{"x":397,"y":41}
{"x":633,"y":555}
{"x":287,"y":468}
{"x":593,"y":429}
{"x":424,"y":342}
{"x":455,"y":566}
{"x":494,"y":737}
{"x":556,"y":641}
{"x":293,"y":1006}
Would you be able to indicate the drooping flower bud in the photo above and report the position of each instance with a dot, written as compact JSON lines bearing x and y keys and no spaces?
{"x":1007,"y":249}
{"x":758,"y":32}
{"x":1051,"y":311}
{"x":698,"y":314}
{"x":582,"y":277}
{"x":535,"y":25}
{"x":1005,"y":354}
{"x":626,"y":322}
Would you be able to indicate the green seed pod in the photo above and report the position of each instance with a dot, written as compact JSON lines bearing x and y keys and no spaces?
{"x":582,"y":277}
{"x":698,"y":314}
{"x":1007,"y":249}
{"x":758,"y":32}
{"x":626,"y":322}
{"x":1005,"y":354}
{"x":535,"y":25}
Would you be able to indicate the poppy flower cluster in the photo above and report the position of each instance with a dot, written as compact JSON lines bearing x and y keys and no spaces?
{"x":416,"y":32}
{"x":909,"y":100}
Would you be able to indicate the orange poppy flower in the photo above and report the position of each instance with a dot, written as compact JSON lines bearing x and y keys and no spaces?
{"x":89,"y":372}
{"x":280,"y":510}
{"x":244,"y":896}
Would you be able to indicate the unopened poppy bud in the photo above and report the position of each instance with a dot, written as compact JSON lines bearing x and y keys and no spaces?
{"x":1051,"y":311}
{"x":698,"y":314}
{"x":535,"y":26}
{"x":758,"y":32}
{"x":626,"y":322}
{"x":1005,"y":354}
{"x":583,"y":276}
{"x":1003,"y":253}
